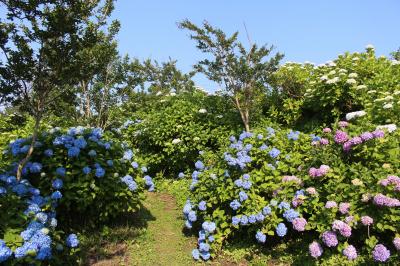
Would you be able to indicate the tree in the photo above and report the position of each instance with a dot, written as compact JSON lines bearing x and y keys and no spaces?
{"x":396,"y":55}
{"x":243,"y":73}
{"x":39,"y":41}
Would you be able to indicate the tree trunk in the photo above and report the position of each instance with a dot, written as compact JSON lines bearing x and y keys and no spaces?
{"x":31,"y":148}
{"x":244,"y":114}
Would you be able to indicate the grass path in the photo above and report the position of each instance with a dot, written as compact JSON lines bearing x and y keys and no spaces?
{"x":162,"y":242}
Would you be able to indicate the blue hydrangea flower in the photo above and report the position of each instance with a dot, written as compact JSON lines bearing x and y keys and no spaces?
{"x":204,"y":247}
{"x":3,"y":191}
{"x":188,"y":224}
{"x":144,"y":169}
{"x":202,"y":205}
{"x":205,"y":255}
{"x":187,"y":208}
{"x":260,"y":136}
{"x":211,"y":239}
{"x":263,"y":147}
{"x":196,"y":254}
{"x":128,"y":180}
{"x":271,"y":131}
{"x":56,"y":195}
{"x":73,"y":152}
{"x":266,"y":210}
{"x":199,"y":165}
{"x":244,"y":220}
{"x":235,"y":204}
{"x":261,"y":238}
{"x":92,"y":153}
{"x":235,"y":220}
{"x":128,"y":154}
{"x":41,"y":217}
{"x":5,"y":252}
{"x":181,"y":175}
{"x":72,"y":241}
{"x":135,"y":165}
{"x":110,"y":163}
{"x":274,"y":152}
{"x":48,"y":152}
{"x":209,"y":227}
{"x":61,"y":171}
{"x":35,"y":168}
{"x":238,"y":182}
{"x":100,"y":172}
{"x":293,"y":135}
{"x":80,"y":143}
{"x":57,"y":183}
{"x":290,"y":215}
{"x":284,"y":205}
{"x":86,"y":170}
{"x":281,"y":230}
{"x":243,"y":196}
{"x":202,"y":235}
{"x":246,"y":185}
{"x":260,"y":217}
{"x":246,"y":176}
{"x":192,"y":216}
{"x":252,"y":219}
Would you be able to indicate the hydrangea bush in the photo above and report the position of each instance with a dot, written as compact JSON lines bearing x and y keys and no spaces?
{"x":74,"y":178}
{"x":341,"y":186}
{"x":169,"y":141}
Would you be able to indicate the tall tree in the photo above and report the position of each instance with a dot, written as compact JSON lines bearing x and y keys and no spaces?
{"x":243,"y":73}
{"x":396,"y":54}
{"x":39,"y":41}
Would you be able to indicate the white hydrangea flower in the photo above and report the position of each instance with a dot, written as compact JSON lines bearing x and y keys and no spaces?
{"x":331,"y":63}
{"x":356,"y":114}
{"x":371,"y":91}
{"x":324,"y":77}
{"x":388,"y":98}
{"x":342,"y":70}
{"x":202,"y":111}
{"x":355,"y":59}
{"x":351,"y":81}
{"x":360,"y":87}
{"x":353,"y":75}
{"x":396,"y":92}
{"x":369,"y":46}
{"x":158,"y":93}
{"x":395,"y":62}
{"x":390,"y":128}
{"x":172,"y":94}
{"x":176,"y":141}
{"x":379,"y":100}
{"x":219,"y":116}
{"x":333,"y":81}
{"x":388,"y":106}
{"x":332,"y":72}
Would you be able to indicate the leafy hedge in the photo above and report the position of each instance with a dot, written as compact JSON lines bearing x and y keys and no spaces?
{"x":171,"y":135}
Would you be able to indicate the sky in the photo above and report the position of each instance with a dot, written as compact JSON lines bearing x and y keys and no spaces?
{"x":307,"y":30}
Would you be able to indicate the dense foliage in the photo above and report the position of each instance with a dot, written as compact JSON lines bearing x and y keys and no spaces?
{"x":270,"y":184}
{"x":170,"y":141}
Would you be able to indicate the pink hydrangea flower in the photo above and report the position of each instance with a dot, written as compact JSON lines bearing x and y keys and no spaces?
{"x":330,"y":239}
{"x":366,"y":220}
{"x":299,"y":224}
{"x":327,"y":130}
{"x":356,"y":140}
{"x":341,"y":137}
{"x":330,"y":204}
{"x":344,"y":207}
{"x":315,"y":249}
{"x":324,"y":141}
{"x":396,"y":243}
{"x":311,"y":190}
{"x":378,"y":133}
{"x":343,"y":123}
{"x":350,"y":252}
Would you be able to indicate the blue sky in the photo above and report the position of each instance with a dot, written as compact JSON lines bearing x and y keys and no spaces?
{"x":307,"y":30}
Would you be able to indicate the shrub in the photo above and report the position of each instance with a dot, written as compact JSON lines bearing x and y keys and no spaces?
{"x":274,"y":184}
{"x":78,"y":175}
{"x":170,"y":141}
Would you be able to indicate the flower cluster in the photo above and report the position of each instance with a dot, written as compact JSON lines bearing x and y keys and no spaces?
{"x":318,"y":172}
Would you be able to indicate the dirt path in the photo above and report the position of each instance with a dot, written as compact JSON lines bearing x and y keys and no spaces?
{"x":162,"y":242}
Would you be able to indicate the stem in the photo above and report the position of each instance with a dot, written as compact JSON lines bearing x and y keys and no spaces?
{"x":31,"y":148}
